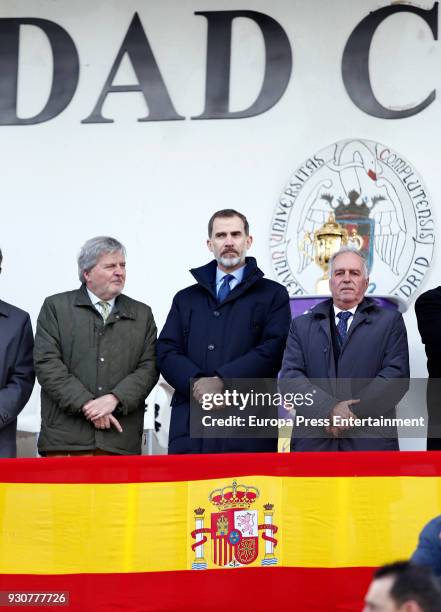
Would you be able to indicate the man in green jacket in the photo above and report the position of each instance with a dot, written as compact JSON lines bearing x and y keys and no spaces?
{"x":95,"y":360}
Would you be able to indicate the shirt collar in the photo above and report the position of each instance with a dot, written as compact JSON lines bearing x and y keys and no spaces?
{"x":351,"y":310}
{"x":238,"y":274}
{"x":95,"y":299}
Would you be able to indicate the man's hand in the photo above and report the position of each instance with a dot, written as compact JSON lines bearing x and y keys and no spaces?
{"x":208,"y":384}
{"x":343,"y":411}
{"x":100,"y":407}
{"x":332,"y":431}
{"x":106,"y":422}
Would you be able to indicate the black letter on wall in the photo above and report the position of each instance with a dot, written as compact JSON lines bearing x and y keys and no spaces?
{"x":355,"y":62}
{"x":278,"y":64}
{"x":65,"y":72}
{"x":151,"y":83}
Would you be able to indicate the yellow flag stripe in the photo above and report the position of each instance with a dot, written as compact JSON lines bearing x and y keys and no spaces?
{"x":141,"y":527}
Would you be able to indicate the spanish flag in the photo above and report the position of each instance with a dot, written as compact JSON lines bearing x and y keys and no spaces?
{"x":287,"y":532}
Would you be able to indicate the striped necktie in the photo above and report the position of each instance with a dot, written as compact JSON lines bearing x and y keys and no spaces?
{"x":105,"y":309}
{"x":342,"y":327}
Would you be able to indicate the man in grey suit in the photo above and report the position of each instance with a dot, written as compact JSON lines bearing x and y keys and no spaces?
{"x":16,"y":371}
{"x":359,"y":353}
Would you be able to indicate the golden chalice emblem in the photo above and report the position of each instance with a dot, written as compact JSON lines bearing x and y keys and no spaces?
{"x":326,"y":241}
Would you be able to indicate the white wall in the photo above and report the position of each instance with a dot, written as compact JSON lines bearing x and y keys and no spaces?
{"x":154,"y":185}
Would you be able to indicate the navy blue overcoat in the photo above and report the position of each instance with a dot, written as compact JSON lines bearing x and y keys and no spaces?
{"x":243,"y":337}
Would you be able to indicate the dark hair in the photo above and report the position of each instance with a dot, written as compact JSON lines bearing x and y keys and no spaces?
{"x":227,"y":213}
{"x":412,"y":582}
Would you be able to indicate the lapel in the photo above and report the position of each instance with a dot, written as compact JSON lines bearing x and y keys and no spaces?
{"x":325,"y":327}
{"x":362,"y":315}
{"x":206,"y":278}
{"x":82,"y":299}
{"x":122,"y":309}
{"x":322,"y":314}
{"x":4,"y":309}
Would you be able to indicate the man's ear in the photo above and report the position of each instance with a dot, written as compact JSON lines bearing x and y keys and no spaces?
{"x":210,"y":245}
{"x":249,"y":242}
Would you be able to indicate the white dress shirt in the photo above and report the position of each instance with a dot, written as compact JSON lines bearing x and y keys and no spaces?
{"x":238,"y":276}
{"x":337,"y":319}
{"x":95,"y":300}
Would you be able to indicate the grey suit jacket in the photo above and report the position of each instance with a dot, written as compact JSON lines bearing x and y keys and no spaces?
{"x":16,"y":372}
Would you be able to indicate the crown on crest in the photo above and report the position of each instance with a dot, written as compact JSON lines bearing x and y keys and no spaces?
{"x":354,"y":208}
{"x":234,"y":496}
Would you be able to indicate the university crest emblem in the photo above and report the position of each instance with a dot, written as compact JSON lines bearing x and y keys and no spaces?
{"x":362,"y":194}
{"x":234,"y":529}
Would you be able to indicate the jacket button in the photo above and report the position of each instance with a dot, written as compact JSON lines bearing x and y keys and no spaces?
{"x":216,"y":313}
{"x":101,"y":358}
{"x":211,"y":347}
{"x":100,"y":388}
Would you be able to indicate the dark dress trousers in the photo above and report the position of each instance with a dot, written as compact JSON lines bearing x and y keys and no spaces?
{"x":16,"y":372}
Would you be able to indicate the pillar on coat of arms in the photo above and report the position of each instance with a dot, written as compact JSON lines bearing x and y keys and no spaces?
{"x":199,"y":560}
{"x":269,"y":558}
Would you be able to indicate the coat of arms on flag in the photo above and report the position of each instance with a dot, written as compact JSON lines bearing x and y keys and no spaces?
{"x":234,"y":529}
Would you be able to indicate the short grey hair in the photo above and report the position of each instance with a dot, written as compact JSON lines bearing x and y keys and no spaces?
{"x":347,"y":249}
{"x":93,"y":249}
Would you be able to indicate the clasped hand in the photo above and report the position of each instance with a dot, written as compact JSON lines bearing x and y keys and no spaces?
{"x":208,"y":385}
{"x":343,"y":411}
{"x":99,"y":411}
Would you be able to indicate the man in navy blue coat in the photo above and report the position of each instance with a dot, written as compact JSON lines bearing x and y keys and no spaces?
{"x":16,"y":371}
{"x":231,"y":324}
{"x":428,"y":551}
{"x":359,"y":352}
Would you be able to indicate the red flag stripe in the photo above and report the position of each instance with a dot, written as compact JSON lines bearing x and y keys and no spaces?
{"x":270,"y":588}
{"x":193,"y":467}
